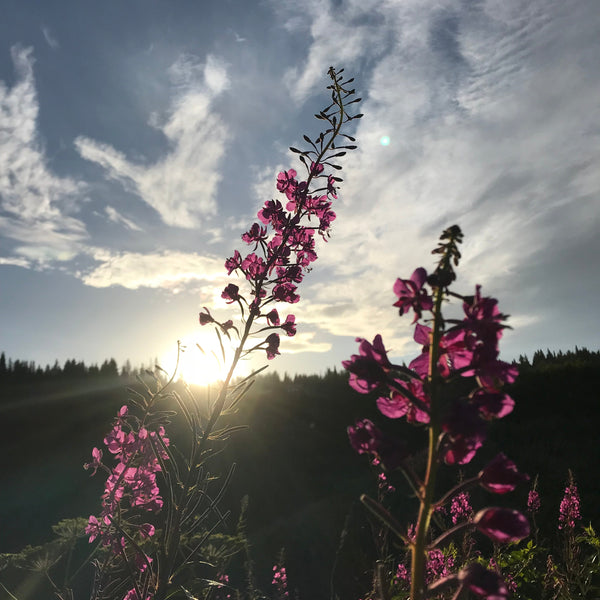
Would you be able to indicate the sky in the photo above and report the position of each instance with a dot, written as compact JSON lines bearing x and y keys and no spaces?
{"x":139,"y":138}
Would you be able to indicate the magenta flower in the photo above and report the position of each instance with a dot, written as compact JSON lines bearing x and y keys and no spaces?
{"x":286,"y":292}
{"x":502,"y":525}
{"x":369,"y":368}
{"x":483,"y":318}
{"x":273,"y":318}
{"x":289,"y":326}
{"x":460,"y":507}
{"x":254,"y":266}
{"x":96,"y":461}
{"x":483,"y":582}
{"x":569,"y":507}
{"x":272,"y":345}
{"x":233,"y":263}
{"x":206,"y":317}
{"x":255,"y":234}
{"x":316,"y":168}
{"x":411,"y":294}
{"x":501,"y":475}
{"x":231,"y":293}
{"x":286,"y":181}
{"x":398,"y":404}
{"x":365,"y":437}
{"x":533,"y":501}
{"x":465,"y":434}
{"x":492,"y":404}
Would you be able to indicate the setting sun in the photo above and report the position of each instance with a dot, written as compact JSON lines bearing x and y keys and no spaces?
{"x":201,"y":358}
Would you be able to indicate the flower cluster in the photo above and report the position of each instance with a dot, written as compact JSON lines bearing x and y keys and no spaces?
{"x":133,"y":478}
{"x":280,"y":582}
{"x":569,"y":511}
{"x":468,"y":348}
{"x":279,"y":258}
{"x":282,"y":241}
{"x":451,"y":349}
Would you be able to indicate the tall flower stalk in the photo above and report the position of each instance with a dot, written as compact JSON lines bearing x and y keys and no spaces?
{"x":424,"y":393}
{"x":150,"y":538}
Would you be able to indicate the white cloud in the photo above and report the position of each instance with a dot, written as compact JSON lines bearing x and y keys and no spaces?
{"x":17,"y":262}
{"x":50,"y":39}
{"x":169,"y":269}
{"x":302,"y":342}
{"x":491,"y":110}
{"x":117,"y":217}
{"x":340,"y":36}
{"x":182,"y":186}
{"x":36,"y":205}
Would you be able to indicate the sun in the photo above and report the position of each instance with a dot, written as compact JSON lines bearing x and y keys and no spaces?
{"x":200,"y":359}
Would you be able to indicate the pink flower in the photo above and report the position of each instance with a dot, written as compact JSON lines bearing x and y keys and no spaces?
{"x":255,"y":234}
{"x":460,"y":507}
{"x":411,"y":294}
{"x":502,"y":525}
{"x":289,"y":326}
{"x":96,"y":461}
{"x":398,"y":404}
{"x":231,"y":293}
{"x":533,"y":501}
{"x":272,"y":346}
{"x":206,"y":317}
{"x":501,"y":475}
{"x":273,"y":318}
{"x":366,"y":438}
{"x":569,"y":507}
{"x":286,"y":292}
{"x":233,"y":263}
{"x":369,"y":368}
{"x":482,"y":582}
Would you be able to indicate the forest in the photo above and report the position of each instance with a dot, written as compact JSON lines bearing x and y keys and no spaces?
{"x":295,"y":471}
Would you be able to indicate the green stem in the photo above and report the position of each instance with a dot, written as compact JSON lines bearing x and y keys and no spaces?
{"x":167,"y":566}
{"x":419,"y":548}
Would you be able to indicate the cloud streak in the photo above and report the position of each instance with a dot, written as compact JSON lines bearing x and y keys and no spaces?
{"x":484,"y":129}
{"x":170,"y":270}
{"x":36,"y":207}
{"x":182,"y":185}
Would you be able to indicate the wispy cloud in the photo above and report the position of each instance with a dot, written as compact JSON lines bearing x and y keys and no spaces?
{"x":340,"y":34}
{"x":50,"y":39}
{"x":36,"y":206}
{"x":116,"y":217}
{"x":170,"y":270}
{"x":492,"y":124}
{"x":182,"y":186}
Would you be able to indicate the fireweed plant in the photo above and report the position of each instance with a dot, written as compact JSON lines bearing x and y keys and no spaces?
{"x":456,"y":426}
{"x":157,"y":511}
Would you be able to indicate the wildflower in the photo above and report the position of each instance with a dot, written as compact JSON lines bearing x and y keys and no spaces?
{"x":398,"y":404}
{"x":533,"y":501}
{"x":460,"y":507}
{"x":411,"y":294}
{"x":501,"y":475}
{"x":231,"y":293}
{"x":289,"y":326}
{"x":483,"y":582}
{"x":369,"y":368}
{"x":272,"y":345}
{"x":502,"y":525}
{"x":569,"y":506}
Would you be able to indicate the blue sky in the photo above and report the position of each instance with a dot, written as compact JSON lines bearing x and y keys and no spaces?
{"x":139,"y":138}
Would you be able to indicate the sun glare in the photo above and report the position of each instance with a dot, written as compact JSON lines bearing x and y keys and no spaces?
{"x":201,"y":359}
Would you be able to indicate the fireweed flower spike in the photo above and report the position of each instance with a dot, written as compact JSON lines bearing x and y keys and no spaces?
{"x":281,"y":249}
{"x":456,"y":426}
